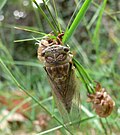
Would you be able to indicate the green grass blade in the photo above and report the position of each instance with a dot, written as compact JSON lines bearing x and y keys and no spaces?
{"x":96,"y":121}
{"x":84,"y":75}
{"x":54,"y":20}
{"x":105,"y":11}
{"x":93,"y":19}
{"x":27,"y":39}
{"x":45,"y":16}
{"x":7,"y":56}
{"x":38,"y":20}
{"x":76,"y":21}
{"x":33,"y":98}
{"x":68,"y":124}
{"x":73,"y":15}
{"x":56,"y":13}
{"x":24,"y":28}
{"x":24,"y":63}
{"x":2,"y":3}
{"x":35,"y":104}
{"x":29,"y":30}
{"x":96,"y":39}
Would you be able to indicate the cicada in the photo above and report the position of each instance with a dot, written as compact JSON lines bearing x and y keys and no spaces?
{"x":61,"y":74}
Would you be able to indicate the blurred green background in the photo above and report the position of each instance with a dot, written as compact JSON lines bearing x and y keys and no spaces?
{"x":95,"y":44}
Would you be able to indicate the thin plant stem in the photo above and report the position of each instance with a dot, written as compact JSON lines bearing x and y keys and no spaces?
{"x":45,"y":16}
{"x":56,"y":13}
{"x":96,"y":36}
{"x":67,"y":124}
{"x":37,"y":101}
{"x":28,"y":39}
{"x":85,"y":77}
{"x":76,"y":21}
{"x":103,"y":126}
{"x":73,"y":15}
{"x":54,"y":21}
{"x":29,"y":30}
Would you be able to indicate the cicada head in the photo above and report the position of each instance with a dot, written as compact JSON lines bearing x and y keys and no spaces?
{"x":56,"y":55}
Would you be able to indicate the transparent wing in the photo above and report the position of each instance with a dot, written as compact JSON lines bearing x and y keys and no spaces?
{"x":71,"y":100}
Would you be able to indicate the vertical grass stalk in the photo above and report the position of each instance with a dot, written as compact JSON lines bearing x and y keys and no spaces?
{"x":96,"y":38}
{"x":45,"y":16}
{"x":76,"y":21}
{"x":23,"y":89}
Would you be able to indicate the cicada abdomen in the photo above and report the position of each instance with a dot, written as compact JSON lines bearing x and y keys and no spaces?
{"x":60,"y":71}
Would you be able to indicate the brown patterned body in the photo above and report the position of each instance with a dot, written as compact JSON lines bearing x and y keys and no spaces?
{"x":58,"y":65}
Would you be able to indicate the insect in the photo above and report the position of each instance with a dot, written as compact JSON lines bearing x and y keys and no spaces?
{"x":102,"y":102}
{"x":61,"y":74}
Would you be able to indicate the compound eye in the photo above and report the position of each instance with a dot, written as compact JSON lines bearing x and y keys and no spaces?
{"x":49,"y":59}
{"x":66,"y":49}
{"x":61,"y":57}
